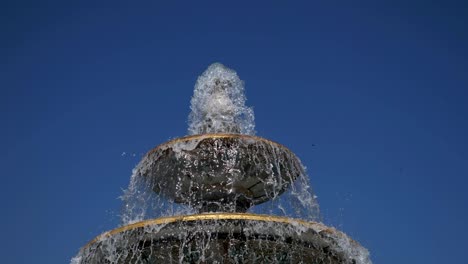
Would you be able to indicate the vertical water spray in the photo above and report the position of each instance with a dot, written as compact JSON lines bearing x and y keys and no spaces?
{"x":218,"y":104}
{"x":203,"y":198}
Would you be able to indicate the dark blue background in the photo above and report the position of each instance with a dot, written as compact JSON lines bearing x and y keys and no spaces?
{"x":371,"y":95}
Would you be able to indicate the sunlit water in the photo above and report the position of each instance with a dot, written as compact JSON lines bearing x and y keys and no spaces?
{"x":298,"y":201}
{"x":218,"y":106}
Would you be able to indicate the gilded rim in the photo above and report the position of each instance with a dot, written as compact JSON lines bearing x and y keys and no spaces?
{"x":216,"y":216}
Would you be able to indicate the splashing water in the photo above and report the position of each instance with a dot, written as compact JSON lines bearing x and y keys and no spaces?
{"x":243,"y":162}
{"x":218,"y":104}
{"x":203,"y":242}
{"x":171,"y":178}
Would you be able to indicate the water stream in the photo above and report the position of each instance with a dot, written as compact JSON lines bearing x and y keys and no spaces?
{"x":206,"y":194}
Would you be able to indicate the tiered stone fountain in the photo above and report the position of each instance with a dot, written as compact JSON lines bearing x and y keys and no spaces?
{"x":220,"y":172}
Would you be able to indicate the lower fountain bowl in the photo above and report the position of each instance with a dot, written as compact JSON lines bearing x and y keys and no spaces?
{"x":223,"y":238}
{"x":220,"y":172}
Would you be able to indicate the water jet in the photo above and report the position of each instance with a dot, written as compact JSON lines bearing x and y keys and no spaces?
{"x":220,"y":173}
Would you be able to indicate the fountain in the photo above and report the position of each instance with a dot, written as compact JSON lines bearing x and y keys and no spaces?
{"x":202,"y":198}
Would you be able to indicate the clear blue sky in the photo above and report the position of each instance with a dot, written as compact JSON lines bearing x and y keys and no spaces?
{"x":371,"y":95}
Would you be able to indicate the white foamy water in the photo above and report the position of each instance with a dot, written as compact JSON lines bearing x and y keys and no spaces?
{"x":218,"y":104}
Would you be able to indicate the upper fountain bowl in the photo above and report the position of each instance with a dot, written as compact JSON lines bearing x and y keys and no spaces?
{"x":220,"y":172}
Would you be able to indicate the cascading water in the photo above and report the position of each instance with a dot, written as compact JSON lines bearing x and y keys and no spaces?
{"x":203,"y":198}
{"x":218,"y":107}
